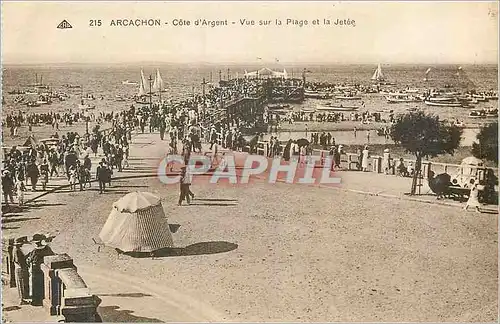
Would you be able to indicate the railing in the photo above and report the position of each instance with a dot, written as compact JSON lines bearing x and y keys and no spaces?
{"x":352,"y":161}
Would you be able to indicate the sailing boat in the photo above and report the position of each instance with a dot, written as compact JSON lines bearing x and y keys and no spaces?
{"x":379,"y":77}
{"x":427,"y":74}
{"x":158,"y":83}
{"x":141,"y":96}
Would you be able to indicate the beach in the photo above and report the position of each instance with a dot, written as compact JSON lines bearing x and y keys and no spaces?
{"x":315,"y":255}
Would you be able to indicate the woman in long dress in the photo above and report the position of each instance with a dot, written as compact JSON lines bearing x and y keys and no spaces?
{"x":474,"y":197}
{"x":364,"y":161}
{"x":386,"y":161}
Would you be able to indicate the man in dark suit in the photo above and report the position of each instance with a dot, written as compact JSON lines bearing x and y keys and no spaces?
{"x":102,"y":176}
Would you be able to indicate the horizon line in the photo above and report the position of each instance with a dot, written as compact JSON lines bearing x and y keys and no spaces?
{"x":152,"y":62}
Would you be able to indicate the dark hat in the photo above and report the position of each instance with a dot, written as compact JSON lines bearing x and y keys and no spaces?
{"x":20,"y":241}
{"x":38,"y":238}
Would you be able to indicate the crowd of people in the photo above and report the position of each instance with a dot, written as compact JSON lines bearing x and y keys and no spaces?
{"x":67,"y":156}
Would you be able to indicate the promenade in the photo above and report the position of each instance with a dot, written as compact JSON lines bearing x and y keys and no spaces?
{"x":358,"y":251}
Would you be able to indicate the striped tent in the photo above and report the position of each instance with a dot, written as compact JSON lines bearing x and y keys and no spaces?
{"x":137,"y":223}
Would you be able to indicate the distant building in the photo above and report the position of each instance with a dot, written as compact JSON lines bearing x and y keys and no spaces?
{"x":266,"y":73}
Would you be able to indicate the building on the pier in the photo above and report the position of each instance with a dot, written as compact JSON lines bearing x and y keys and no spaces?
{"x":266,"y":73}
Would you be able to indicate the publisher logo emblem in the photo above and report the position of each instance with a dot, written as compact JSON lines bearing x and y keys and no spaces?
{"x":64,"y":25}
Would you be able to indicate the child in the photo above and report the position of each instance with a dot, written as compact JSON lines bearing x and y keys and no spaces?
{"x":21,"y":188}
{"x":72,"y":178}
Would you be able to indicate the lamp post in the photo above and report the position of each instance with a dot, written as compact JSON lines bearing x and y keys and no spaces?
{"x":150,"y":79}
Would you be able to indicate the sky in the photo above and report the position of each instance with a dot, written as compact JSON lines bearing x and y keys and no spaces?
{"x":384,"y":32}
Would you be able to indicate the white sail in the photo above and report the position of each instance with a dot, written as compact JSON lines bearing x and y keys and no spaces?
{"x":155,"y":84}
{"x":427,"y":74}
{"x":378,"y":75}
{"x":142,"y":90}
{"x":158,"y":83}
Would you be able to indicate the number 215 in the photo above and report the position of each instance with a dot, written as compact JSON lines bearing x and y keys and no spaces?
{"x":95,"y":22}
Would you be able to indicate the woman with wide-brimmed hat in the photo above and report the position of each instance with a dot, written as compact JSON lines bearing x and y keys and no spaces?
{"x":34,"y":260}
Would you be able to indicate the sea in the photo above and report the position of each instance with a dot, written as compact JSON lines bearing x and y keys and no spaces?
{"x":104,"y":82}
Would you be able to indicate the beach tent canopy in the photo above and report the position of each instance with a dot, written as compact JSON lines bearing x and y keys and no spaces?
{"x":137,"y":223}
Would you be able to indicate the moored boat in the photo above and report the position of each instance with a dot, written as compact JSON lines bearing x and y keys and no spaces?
{"x":32,"y":104}
{"x":445,"y":104}
{"x":316,"y":95}
{"x":128,"y":82}
{"x":348,"y":97}
{"x":401,"y":98}
{"x":336,"y":107}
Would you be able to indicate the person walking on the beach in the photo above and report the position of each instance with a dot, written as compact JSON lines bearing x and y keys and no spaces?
{"x":102,"y":176}
{"x":364,"y":161}
{"x":7,"y":187}
{"x":184,"y":187}
{"x":474,"y":196}
{"x":163,"y":128}
{"x":355,"y":132}
{"x":368,"y":137}
{"x":20,"y":188}
{"x":72,"y":177}
{"x":32,"y":173}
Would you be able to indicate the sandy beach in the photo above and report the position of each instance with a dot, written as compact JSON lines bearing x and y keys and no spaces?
{"x":316,"y":255}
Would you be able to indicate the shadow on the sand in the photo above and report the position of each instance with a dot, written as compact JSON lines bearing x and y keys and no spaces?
{"x":211,"y":204}
{"x":216,"y":199}
{"x":492,"y":212}
{"x":127,"y":295}
{"x":14,"y":220}
{"x":7,"y":211}
{"x":113,"y":314}
{"x":10,"y":227}
{"x":201,"y":248}
{"x":127,"y":186}
{"x":174,"y":227}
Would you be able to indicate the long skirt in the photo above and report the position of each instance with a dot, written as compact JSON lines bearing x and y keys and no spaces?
{"x":473,"y":198}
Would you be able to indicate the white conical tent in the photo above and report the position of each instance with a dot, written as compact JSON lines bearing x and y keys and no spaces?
{"x":137,"y":223}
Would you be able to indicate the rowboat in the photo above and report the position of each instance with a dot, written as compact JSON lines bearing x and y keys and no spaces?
{"x":440,"y":99}
{"x":307,"y":110}
{"x":278,"y":106}
{"x":444,"y":104}
{"x":333,"y":107}
{"x":317,"y":95}
{"x":128,"y":82}
{"x":348,"y":97}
